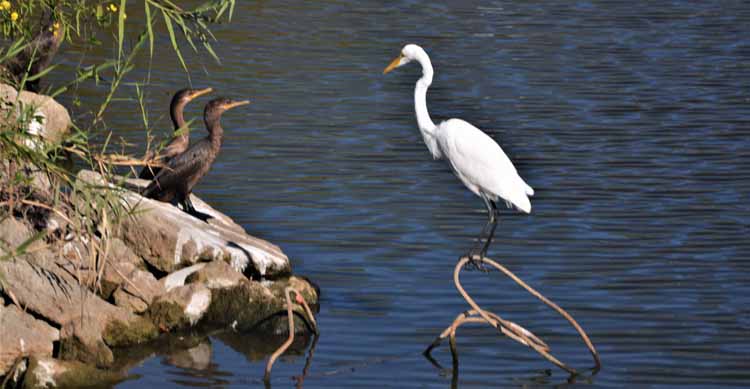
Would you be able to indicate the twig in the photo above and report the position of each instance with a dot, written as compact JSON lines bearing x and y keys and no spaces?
{"x":508,"y":328}
{"x":290,"y":339}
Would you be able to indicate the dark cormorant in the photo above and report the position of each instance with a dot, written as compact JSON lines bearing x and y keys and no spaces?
{"x":176,"y":181}
{"x":181,"y":139}
{"x":38,"y":54}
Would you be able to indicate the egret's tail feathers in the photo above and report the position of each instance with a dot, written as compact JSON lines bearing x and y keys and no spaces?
{"x":518,"y":201}
{"x":523,"y":204}
{"x":529,"y":190}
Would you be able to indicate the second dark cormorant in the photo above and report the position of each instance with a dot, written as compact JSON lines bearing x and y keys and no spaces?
{"x":181,"y":139}
{"x":37,"y":55}
{"x":176,"y":181}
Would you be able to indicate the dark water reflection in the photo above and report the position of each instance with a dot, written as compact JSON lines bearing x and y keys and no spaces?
{"x":631,"y":121}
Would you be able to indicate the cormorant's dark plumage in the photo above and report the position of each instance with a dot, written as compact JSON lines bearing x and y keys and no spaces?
{"x":178,"y":178}
{"x":38,"y":54}
{"x":181,"y":139}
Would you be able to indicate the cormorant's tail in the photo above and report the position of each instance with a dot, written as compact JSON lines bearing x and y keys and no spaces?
{"x":150,"y":190}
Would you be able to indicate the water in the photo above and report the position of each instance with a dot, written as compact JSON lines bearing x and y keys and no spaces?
{"x":631,"y":121}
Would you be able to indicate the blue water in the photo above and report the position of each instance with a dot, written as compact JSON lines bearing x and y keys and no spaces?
{"x":630,"y":119}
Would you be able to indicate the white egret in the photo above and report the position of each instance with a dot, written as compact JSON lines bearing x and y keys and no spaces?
{"x":475,"y":158}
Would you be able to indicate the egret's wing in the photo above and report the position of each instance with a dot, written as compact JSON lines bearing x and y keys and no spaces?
{"x":479,"y":161}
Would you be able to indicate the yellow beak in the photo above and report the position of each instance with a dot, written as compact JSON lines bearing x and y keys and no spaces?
{"x":393,"y":64}
{"x":236,"y":104}
{"x":201,"y":92}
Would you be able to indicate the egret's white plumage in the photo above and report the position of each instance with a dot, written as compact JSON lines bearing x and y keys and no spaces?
{"x":475,"y":158}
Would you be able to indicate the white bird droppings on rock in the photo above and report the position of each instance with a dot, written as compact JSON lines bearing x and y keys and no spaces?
{"x":198,"y":305}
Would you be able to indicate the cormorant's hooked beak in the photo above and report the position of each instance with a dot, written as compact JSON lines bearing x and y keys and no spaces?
{"x":236,"y":104}
{"x":200,"y":92}
{"x":394,"y":64}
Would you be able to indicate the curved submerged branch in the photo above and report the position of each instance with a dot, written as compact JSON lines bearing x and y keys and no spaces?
{"x":507,"y":328}
{"x":290,"y":317}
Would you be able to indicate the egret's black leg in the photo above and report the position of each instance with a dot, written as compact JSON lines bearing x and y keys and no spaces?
{"x":493,"y":220}
{"x":479,"y":250}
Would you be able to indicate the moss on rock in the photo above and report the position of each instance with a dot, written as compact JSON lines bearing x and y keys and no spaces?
{"x":48,"y":372}
{"x":167,"y":315}
{"x":246,"y":305}
{"x":119,"y":334}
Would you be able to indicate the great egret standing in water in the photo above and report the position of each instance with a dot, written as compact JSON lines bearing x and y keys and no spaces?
{"x":475,"y":158}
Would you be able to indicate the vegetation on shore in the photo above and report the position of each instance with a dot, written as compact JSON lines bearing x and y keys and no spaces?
{"x":36,"y":176}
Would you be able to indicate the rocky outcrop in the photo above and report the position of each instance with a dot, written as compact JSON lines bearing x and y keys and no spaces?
{"x":65,"y":310}
{"x":170,"y":239}
{"x":89,"y":325}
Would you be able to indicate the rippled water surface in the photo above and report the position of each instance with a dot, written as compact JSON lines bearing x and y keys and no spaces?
{"x":630,"y":119}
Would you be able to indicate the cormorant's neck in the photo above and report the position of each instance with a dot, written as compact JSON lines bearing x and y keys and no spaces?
{"x":215,"y":131}
{"x":178,"y":118}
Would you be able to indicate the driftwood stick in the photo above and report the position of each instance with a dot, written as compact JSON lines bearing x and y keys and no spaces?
{"x":507,"y":328}
{"x":290,"y":318}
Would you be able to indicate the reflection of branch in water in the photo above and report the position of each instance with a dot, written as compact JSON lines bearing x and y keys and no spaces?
{"x":507,"y":328}
{"x":290,"y":316}
{"x":301,"y":378}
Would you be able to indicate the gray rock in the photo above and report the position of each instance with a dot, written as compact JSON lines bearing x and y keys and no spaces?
{"x":22,"y":335}
{"x":179,"y":277}
{"x":217,"y":275}
{"x":53,"y":294}
{"x":136,"y":288}
{"x":251,"y":303}
{"x":83,"y":341}
{"x":170,"y":239}
{"x":56,"y":122}
{"x":88,"y":323}
{"x":14,"y":232}
{"x":129,"y":301}
{"x":44,"y":372}
{"x":181,"y":307}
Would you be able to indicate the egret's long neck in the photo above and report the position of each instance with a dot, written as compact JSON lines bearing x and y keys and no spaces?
{"x":420,"y":96}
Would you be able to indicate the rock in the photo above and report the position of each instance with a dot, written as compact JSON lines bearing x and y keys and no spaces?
{"x":120,"y":252}
{"x":178,"y":278}
{"x":216,"y":275}
{"x":135,"y":288}
{"x":14,"y":378}
{"x":129,"y":301}
{"x":181,"y":307}
{"x":52,"y":293}
{"x":45,"y":372}
{"x":56,"y":123}
{"x":82,"y":341}
{"x":170,"y":239}
{"x":22,"y":335}
{"x":14,"y":232}
{"x":217,"y":219}
{"x":250,"y":303}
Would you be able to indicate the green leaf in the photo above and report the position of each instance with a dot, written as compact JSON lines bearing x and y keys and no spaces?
{"x":149,"y":29}
{"x":42,"y":73}
{"x":120,"y":28}
{"x":170,"y":29}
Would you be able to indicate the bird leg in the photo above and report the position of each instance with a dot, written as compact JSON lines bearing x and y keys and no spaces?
{"x":187,"y":205}
{"x":479,"y":250}
{"x":493,"y":221}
